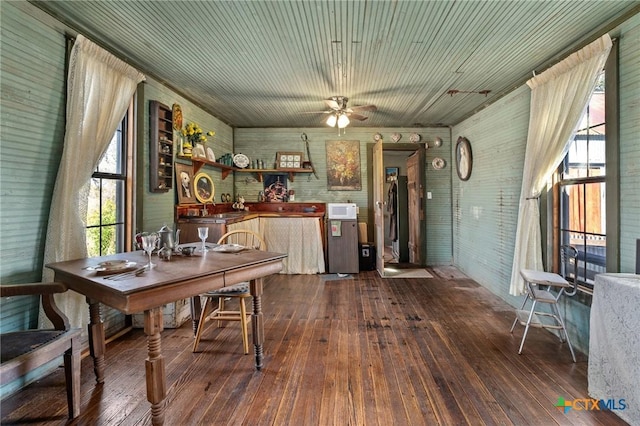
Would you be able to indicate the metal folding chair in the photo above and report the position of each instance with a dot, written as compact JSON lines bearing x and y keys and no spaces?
{"x":544,"y":288}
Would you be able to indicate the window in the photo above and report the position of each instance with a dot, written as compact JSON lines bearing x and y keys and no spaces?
{"x":107,"y":211}
{"x":582,"y":221}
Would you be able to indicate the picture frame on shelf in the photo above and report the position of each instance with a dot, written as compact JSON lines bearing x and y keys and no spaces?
{"x":184,"y":184}
{"x":204,"y":188}
{"x":289,"y":160}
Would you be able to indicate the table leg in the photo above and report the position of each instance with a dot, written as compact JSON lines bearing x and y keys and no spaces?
{"x":257,"y":320}
{"x":154,"y":365}
{"x":97,"y":346}
{"x":196,"y":310}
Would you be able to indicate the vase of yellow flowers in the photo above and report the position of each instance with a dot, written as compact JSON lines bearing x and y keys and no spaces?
{"x":194,"y":139}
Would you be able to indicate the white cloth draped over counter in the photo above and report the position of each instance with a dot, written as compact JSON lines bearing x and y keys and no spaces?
{"x":299,"y":237}
{"x":614,"y":343}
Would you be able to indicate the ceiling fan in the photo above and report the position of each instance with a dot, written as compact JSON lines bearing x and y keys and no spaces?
{"x":340,"y":114}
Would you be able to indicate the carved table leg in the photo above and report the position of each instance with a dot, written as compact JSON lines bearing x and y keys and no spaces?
{"x":257,"y":320}
{"x":196,"y":310}
{"x":97,"y":345}
{"x":154,"y":365}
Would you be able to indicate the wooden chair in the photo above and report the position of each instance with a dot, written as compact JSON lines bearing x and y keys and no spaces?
{"x":238,"y":291}
{"x":25,"y":350}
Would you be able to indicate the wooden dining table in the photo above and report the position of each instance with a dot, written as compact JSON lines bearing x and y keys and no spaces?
{"x":179,"y":278}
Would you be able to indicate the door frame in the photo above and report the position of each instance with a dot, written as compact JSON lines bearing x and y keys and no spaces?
{"x":409,"y":147}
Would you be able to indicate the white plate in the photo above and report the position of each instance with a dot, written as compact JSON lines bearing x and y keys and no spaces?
{"x":241,"y":160}
{"x":114,"y":265}
{"x":228,"y":248}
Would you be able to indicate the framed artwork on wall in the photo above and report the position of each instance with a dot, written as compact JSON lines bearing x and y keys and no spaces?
{"x":204,"y":188}
{"x":289,"y":160}
{"x":275,"y":188}
{"x":464,"y":159}
{"x":343,"y":165}
{"x":184,"y":184}
{"x":391,"y":174}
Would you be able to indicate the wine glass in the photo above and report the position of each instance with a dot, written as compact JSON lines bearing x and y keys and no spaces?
{"x":149,"y":243}
{"x":203,"y":233}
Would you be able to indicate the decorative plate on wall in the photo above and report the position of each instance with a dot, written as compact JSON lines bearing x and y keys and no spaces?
{"x":396,"y":137}
{"x":414,"y":138}
{"x":438,"y":163}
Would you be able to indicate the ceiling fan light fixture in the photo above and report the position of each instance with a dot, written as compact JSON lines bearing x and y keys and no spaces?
{"x":332,"y":120}
{"x":343,"y":121}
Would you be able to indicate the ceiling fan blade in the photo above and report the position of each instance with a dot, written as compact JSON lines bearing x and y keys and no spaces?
{"x":331,"y":103}
{"x":317,"y":112}
{"x":357,"y":116}
{"x":364,"y":108}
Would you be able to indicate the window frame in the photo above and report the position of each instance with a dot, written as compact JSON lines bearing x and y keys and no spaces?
{"x":610,"y":179}
{"x":126,"y":178}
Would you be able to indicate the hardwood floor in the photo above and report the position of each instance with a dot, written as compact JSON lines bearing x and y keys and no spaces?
{"x":361,"y":351}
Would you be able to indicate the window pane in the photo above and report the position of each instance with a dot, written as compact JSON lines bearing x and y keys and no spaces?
{"x":111,"y":161}
{"x":93,"y":207}
{"x":109,"y":235}
{"x":583,"y":205}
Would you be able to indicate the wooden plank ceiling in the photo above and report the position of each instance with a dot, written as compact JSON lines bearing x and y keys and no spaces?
{"x":266,"y":64}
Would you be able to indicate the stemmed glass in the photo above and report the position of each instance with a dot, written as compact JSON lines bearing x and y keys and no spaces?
{"x":203,"y":233}
{"x":149,"y":243}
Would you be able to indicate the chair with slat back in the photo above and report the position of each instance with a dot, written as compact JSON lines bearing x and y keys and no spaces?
{"x":23,"y":351}
{"x":569,"y":267}
{"x":238,"y":291}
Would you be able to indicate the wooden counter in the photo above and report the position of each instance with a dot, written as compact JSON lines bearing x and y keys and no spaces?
{"x":283,"y":225}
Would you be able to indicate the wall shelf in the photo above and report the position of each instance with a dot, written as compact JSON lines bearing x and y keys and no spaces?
{"x":160,"y":147}
{"x":226,"y":170}
{"x":260,"y":172}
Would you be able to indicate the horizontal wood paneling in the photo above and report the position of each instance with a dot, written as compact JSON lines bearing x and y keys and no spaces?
{"x":157,"y":209}
{"x":629,"y":72}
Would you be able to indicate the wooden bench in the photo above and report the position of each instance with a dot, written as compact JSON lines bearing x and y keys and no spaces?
{"x":25,"y":350}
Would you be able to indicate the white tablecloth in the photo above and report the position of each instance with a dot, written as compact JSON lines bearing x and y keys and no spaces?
{"x":300,"y":238}
{"x":614,"y":343}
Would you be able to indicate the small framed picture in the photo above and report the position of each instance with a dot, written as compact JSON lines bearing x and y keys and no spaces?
{"x":391,"y":174}
{"x":203,"y":185}
{"x":289,"y":160}
{"x":184,"y":184}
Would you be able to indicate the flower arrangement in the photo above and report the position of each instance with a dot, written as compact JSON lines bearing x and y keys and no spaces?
{"x":193,"y":134}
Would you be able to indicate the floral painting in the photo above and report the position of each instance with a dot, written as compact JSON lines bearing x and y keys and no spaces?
{"x":343,"y":165}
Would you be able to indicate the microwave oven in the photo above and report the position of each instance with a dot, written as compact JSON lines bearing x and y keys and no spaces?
{"x":343,"y":211}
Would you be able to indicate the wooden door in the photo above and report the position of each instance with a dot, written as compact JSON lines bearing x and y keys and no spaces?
{"x":378,"y":205}
{"x":416,"y":205}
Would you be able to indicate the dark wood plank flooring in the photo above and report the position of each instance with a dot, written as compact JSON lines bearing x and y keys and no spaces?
{"x":362,"y":351}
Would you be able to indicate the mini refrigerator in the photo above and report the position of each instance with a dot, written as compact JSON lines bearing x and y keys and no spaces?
{"x":342,"y":238}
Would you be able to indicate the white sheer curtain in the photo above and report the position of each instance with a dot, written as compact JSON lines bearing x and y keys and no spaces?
{"x":100,"y":88}
{"x":559,"y":97}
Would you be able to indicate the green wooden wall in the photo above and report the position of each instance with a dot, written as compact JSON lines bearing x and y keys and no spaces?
{"x":157,"y":209}
{"x":263,"y":143}
{"x":471,"y":224}
{"x":485,"y":206}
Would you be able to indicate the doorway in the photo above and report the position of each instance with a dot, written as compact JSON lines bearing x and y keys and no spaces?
{"x":398,"y":205}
